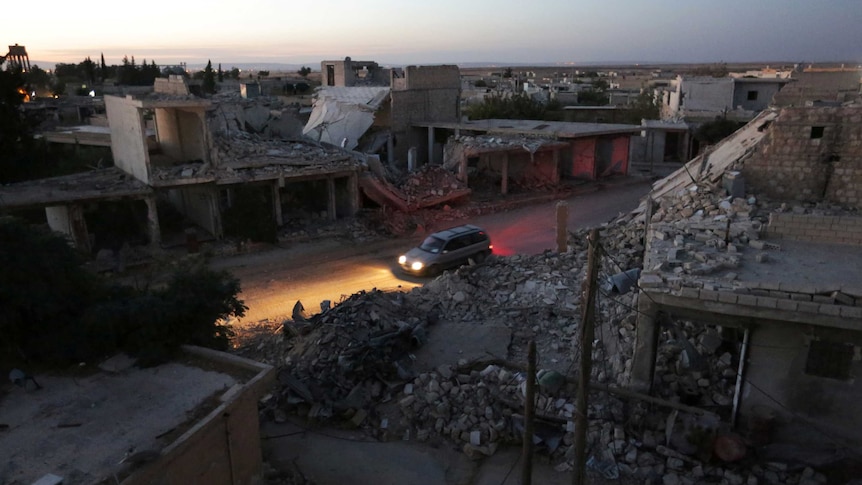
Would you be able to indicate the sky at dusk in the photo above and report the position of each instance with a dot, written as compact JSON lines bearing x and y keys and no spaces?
{"x":443,"y":31}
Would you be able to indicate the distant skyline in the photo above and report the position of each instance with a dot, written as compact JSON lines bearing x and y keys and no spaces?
{"x":445,"y":31}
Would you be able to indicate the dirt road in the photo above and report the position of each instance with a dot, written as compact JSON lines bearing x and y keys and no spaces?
{"x":273,"y":280}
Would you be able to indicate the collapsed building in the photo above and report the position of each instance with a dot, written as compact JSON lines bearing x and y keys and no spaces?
{"x":772,"y":274}
{"x":733,"y":361}
{"x":184,"y":164}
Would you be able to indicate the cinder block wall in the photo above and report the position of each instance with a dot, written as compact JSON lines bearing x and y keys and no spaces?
{"x":816,"y":228}
{"x":811,"y":154}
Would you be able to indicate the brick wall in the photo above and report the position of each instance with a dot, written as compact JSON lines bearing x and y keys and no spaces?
{"x":816,"y":228}
{"x":810,"y":154}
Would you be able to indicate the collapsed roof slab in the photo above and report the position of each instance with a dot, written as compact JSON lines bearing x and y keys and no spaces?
{"x":341,"y":115}
{"x":97,"y":185}
{"x":551,"y":129}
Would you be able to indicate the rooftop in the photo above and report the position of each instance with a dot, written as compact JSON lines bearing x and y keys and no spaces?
{"x":556,"y":129}
{"x":96,"y":422}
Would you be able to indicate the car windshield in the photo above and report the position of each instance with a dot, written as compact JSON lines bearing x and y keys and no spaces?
{"x":432,"y":244}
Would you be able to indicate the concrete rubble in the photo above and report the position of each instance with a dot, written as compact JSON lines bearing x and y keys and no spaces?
{"x":356,"y":363}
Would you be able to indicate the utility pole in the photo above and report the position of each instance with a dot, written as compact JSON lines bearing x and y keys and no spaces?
{"x":586,"y":340}
{"x":562,"y":229}
{"x":529,"y":416}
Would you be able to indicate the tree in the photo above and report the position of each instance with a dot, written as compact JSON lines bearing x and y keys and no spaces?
{"x":37,"y":77}
{"x":304,"y":71}
{"x":220,"y":73}
{"x":208,"y":85}
{"x":507,"y":73}
{"x":42,"y":283}
{"x":103,"y":69}
{"x":15,"y":130}
{"x":645,"y":107}
{"x":263,"y":74}
{"x":80,"y":317}
{"x":713,"y":132}
{"x":89,"y":70}
{"x":517,"y":106}
{"x":234,"y":73}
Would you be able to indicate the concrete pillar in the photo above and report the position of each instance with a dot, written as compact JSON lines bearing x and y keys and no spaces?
{"x":462,"y":169}
{"x":153,"y":222}
{"x":69,"y":220}
{"x":330,"y":202}
{"x":411,"y":159}
{"x":431,"y":145}
{"x":646,"y":342}
{"x":504,"y":184}
{"x":276,"y":201}
{"x":353,"y":193}
{"x":390,"y":150}
{"x":556,"y":166}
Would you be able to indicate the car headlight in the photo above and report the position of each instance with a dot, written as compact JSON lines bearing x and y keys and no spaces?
{"x":402,"y":259}
{"x":416,"y":266}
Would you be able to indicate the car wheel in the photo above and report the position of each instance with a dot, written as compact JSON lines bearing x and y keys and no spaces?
{"x":432,"y":270}
{"x":479,"y":257}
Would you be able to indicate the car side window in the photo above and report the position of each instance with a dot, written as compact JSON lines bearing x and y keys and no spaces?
{"x":457,"y":243}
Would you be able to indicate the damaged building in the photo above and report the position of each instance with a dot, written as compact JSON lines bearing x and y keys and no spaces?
{"x":193,"y":168}
{"x":753,"y":248}
{"x":734,"y":361}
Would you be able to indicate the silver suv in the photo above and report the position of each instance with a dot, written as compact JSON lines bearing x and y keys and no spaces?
{"x":447,"y":249}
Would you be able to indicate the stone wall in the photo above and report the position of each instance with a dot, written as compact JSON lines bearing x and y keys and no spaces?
{"x":811,"y":154}
{"x":816,"y":228}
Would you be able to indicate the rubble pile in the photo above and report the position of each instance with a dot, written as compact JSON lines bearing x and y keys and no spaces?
{"x":311,"y":227}
{"x":701,"y":233}
{"x":698,"y":365}
{"x":242,"y":148}
{"x":264,"y":115}
{"x":355,"y":363}
{"x":430,"y":181}
{"x":496,"y":142}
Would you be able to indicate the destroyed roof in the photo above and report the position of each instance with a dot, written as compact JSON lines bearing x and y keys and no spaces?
{"x":499,"y":143}
{"x":341,"y":115}
{"x":91,"y":135}
{"x":706,"y":246}
{"x":243,"y":157}
{"x":666,"y":125}
{"x":710,"y":167}
{"x":107,"y":183}
{"x":371,"y":96}
{"x":556,"y":129}
{"x":162,"y":100}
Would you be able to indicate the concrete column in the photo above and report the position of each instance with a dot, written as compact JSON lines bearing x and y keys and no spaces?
{"x":646,"y":342}
{"x":153,"y":222}
{"x":411,"y":159}
{"x":276,"y":201}
{"x":353,"y":193}
{"x":504,"y":184}
{"x":462,"y":169}
{"x":330,"y":203}
{"x":431,"y":145}
{"x":69,"y":220}
{"x":556,"y":166}
{"x":390,"y":150}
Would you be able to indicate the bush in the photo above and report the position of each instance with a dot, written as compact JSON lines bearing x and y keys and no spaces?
{"x":56,"y":312}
